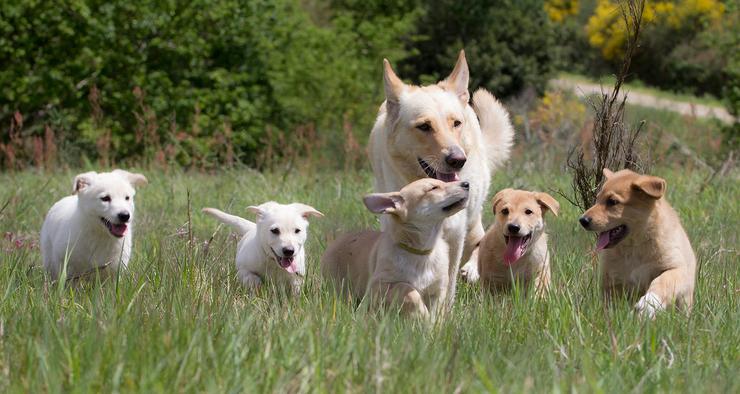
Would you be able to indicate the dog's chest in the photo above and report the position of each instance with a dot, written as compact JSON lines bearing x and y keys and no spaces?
{"x":426,"y":274}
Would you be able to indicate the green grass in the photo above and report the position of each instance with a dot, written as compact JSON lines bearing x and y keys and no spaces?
{"x":638,"y":86}
{"x":179,"y":321}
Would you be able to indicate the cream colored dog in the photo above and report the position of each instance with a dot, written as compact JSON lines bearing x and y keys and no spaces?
{"x":407,"y":265}
{"x":271,"y":249}
{"x":431,"y":131}
{"x":91,"y":230}
{"x":644,"y":249}
{"x":515,"y":246}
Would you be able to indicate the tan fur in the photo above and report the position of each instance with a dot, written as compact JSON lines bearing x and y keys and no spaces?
{"x":655,"y":260}
{"x":448,"y":125}
{"x":381,"y":265}
{"x":525,"y":209}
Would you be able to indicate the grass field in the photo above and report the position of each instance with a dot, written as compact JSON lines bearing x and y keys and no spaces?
{"x":178,"y":321}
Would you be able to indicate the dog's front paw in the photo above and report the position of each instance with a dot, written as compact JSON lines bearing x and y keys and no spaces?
{"x":251,"y":281}
{"x":649,"y":305}
{"x":469,"y":272}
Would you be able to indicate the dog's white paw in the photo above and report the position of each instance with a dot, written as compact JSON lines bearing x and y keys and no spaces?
{"x":469,"y":272}
{"x":649,"y":305}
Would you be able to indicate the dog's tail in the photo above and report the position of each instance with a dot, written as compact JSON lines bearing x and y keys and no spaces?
{"x":241,"y":225}
{"x":498,"y":134}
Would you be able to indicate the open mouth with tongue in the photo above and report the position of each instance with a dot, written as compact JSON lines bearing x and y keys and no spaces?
{"x":286,"y":263}
{"x":117,"y":230}
{"x":515,"y":248}
{"x":433,"y":173}
{"x":609,"y":238}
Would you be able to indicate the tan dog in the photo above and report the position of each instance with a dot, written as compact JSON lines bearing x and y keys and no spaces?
{"x":407,"y":265}
{"x":432,"y":131}
{"x":515,"y":246}
{"x":644,"y":249}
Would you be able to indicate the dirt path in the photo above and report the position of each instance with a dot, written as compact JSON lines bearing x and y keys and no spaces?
{"x":648,"y":100}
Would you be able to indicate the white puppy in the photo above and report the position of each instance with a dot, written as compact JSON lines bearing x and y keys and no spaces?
{"x":271,"y":249}
{"x":91,"y":229}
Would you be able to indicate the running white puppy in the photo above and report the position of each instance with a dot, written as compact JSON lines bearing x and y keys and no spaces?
{"x":91,"y":230}
{"x":271,"y":249}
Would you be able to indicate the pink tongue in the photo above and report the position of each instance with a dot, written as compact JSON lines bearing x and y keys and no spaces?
{"x":514,"y":250}
{"x":118,"y":229}
{"x":603,"y":241}
{"x":288,"y":263}
{"x":448,"y":177}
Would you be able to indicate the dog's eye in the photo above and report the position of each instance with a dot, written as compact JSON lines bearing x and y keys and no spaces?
{"x":610,"y":202}
{"x":105,"y":198}
{"x":528,"y":211}
{"x":457,"y":123}
{"x":297,"y":230}
{"x":275,"y":231}
{"x":434,"y":188}
{"x":128,"y":198}
{"x":425,"y":127}
{"x":505,"y":211}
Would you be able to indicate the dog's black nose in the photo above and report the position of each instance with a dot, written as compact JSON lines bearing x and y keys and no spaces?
{"x":514,"y":228}
{"x":585,"y":221}
{"x":456,"y":159}
{"x":465,"y":185}
{"x":288,"y":252}
{"x":123,"y":217}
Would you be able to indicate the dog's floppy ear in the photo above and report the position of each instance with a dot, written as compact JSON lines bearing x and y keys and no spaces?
{"x":547,"y":202}
{"x":457,"y":81}
{"x":393,"y":89}
{"x":307,"y":211}
{"x":653,"y":186}
{"x":384,"y":202}
{"x":82,"y":181}
{"x":607,"y":173}
{"x":499,"y":197}
{"x":135,"y":180}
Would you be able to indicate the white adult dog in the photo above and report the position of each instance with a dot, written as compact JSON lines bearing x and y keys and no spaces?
{"x":91,"y":230}
{"x":271,"y":249}
{"x":432,"y":131}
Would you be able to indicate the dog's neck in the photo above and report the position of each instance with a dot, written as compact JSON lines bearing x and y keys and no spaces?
{"x":415,"y":239}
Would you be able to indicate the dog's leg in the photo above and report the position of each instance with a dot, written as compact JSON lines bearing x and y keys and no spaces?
{"x":469,"y":271}
{"x":455,"y":252}
{"x":250,"y":280}
{"x":404,"y":297}
{"x":662,"y":293}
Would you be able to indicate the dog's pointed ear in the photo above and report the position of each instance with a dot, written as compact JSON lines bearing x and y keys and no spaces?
{"x":607,"y":173}
{"x":308,"y":211}
{"x":653,"y":186}
{"x":498,"y":198}
{"x":82,"y":181}
{"x":393,"y":88}
{"x":457,"y":81}
{"x":384,"y":202}
{"x":134,"y":179}
{"x":547,"y":202}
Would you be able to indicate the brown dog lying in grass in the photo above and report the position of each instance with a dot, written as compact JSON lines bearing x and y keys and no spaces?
{"x":407,"y":265}
{"x":515,"y":246}
{"x":644,"y":249}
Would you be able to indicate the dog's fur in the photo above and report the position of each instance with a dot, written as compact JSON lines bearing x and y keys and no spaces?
{"x":644,"y":249}
{"x":419,"y":127}
{"x":272,"y":249}
{"x":407,"y":265}
{"x":90,"y":230}
{"x":515,"y":246}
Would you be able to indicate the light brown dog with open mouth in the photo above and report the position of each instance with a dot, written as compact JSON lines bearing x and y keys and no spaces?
{"x":514,"y":248}
{"x":644,"y":249}
{"x":406,"y":265}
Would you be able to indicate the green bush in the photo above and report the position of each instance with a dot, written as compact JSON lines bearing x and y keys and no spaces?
{"x":509,"y":43}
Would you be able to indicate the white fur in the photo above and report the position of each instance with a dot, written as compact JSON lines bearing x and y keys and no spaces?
{"x":73,"y":232}
{"x":649,"y":305}
{"x":259,"y":248}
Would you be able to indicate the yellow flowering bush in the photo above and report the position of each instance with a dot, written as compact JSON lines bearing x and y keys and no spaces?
{"x":559,"y":10}
{"x":606,"y":30}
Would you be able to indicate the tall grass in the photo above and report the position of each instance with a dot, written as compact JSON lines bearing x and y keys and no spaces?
{"x":179,"y":321}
